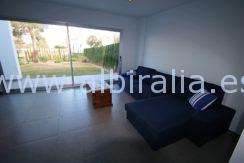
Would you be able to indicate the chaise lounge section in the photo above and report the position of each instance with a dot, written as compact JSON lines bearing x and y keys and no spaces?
{"x":160,"y":120}
{"x":164,"y":118}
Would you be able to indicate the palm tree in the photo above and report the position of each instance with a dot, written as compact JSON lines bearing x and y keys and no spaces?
{"x":33,"y":30}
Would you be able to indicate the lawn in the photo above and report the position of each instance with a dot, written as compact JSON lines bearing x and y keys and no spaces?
{"x":59,"y":69}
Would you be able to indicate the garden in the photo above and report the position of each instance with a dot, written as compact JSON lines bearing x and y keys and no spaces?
{"x":43,"y":50}
{"x":56,"y":61}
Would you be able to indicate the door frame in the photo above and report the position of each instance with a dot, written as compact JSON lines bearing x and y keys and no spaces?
{"x":67,"y":25}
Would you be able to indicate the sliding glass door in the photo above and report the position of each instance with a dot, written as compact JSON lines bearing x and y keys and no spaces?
{"x":42,"y":50}
{"x":93,"y":51}
{"x":70,"y":53}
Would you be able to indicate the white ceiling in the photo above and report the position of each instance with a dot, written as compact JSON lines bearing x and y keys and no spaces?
{"x":137,"y":8}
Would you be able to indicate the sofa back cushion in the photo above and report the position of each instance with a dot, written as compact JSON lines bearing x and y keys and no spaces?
{"x":143,"y":71}
{"x":207,"y":86}
{"x":187,"y":93}
{"x":218,"y":91}
{"x":168,"y":78}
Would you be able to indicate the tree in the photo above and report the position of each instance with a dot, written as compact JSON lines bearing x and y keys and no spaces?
{"x":33,"y":30}
{"x":41,"y":42}
{"x":93,"y":41}
{"x":60,"y":47}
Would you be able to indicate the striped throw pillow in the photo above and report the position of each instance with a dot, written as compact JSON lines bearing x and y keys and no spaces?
{"x":201,"y":101}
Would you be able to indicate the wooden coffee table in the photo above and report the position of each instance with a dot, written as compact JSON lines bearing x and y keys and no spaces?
{"x":99,"y":98}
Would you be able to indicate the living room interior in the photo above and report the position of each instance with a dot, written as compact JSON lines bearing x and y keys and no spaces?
{"x":172,"y":38}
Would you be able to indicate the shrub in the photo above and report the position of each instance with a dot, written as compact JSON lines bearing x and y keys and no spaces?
{"x":21,"y":60}
{"x":65,"y":58}
{"x":76,"y":56}
{"x":111,"y":56}
{"x":84,"y":60}
{"x":107,"y":56}
{"x":95,"y":55}
{"x":43,"y":59}
{"x":79,"y":57}
{"x":57,"y":60}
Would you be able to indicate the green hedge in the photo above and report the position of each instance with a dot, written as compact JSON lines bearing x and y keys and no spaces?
{"x":95,"y":55}
{"x":106,"y":56}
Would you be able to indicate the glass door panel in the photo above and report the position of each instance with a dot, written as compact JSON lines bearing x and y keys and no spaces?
{"x":42,"y":50}
{"x":92,"y":51}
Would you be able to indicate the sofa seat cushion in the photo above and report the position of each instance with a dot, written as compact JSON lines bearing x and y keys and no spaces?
{"x":208,"y":124}
{"x":161,"y":112}
{"x":146,"y":89}
{"x":161,"y":120}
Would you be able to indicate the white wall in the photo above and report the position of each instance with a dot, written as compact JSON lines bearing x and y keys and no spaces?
{"x":203,"y":37}
{"x":8,"y":54}
{"x":60,"y":14}
{"x":141,"y":40}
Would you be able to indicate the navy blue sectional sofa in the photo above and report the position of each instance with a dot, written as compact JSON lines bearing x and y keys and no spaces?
{"x":163,"y":118}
